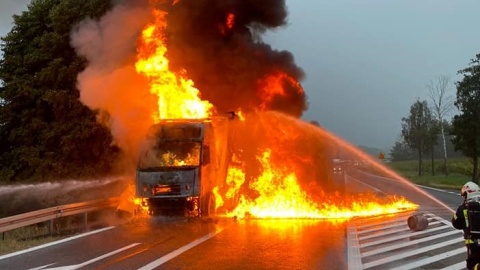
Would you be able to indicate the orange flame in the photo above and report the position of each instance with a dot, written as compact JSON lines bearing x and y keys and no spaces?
{"x":273,"y":85}
{"x":280,"y":196}
{"x":141,"y":204}
{"x":177,"y":96}
{"x":230,"y":22}
{"x":279,"y":193}
{"x":235,"y":179}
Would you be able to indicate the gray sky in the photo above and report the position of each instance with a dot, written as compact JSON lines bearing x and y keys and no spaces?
{"x":7,"y":9}
{"x":366,"y":61}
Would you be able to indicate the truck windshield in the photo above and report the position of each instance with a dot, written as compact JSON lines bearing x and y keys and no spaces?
{"x":171,"y":154}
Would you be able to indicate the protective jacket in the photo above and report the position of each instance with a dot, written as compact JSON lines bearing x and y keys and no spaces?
{"x":467,"y":218}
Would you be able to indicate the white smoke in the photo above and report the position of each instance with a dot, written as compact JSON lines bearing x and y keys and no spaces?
{"x":110,"y":83}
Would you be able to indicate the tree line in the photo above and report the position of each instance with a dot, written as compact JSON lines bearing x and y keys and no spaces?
{"x":426,"y":133}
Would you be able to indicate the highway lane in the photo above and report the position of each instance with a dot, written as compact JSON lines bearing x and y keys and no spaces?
{"x":440,"y":202}
{"x":243,"y":244}
{"x":160,"y":234}
{"x":270,"y":244}
{"x":179,"y":243}
{"x":451,"y":198}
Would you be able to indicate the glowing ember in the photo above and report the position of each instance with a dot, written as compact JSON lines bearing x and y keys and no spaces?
{"x":177,"y":97}
{"x":230,"y":20}
{"x":142,"y":206}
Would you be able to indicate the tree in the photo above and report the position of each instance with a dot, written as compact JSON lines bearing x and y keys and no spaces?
{"x":45,"y":132}
{"x":401,"y":151}
{"x":433,"y":129}
{"x":451,"y":151}
{"x":416,"y":129}
{"x":442,"y":104}
{"x":466,"y":125}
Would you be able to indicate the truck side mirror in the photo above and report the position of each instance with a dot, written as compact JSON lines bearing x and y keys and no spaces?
{"x":206,"y":155}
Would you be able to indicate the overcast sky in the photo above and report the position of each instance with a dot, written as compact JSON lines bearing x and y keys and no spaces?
{"x":366,"y":61}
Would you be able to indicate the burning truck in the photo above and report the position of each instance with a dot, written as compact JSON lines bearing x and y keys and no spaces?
{"x":188,"y":46}
{"x":181,"y":162}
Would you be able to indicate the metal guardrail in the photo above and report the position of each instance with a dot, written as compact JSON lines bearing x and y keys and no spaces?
{"x":34,"y":217}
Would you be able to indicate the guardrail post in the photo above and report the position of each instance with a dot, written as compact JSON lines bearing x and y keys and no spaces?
{"x":85,"y":221}
{"x":50,"y":214}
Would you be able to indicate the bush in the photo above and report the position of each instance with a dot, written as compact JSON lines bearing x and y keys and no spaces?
{"x":465,"y":168}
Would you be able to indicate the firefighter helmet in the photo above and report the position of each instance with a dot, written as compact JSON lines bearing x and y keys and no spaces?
{"x":470,"y":190}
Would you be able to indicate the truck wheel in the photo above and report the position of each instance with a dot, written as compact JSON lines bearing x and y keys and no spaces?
{"x":208,"y":205}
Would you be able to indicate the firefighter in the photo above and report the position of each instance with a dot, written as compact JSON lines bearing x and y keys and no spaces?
{"x":467,"y":218}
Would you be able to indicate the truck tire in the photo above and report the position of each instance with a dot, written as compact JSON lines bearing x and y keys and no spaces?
{"x":208,"y":205}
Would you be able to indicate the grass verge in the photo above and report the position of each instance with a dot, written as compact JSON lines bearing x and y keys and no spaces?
{"x":458,"y":173}
{"x":63,"y":227}
{"x":26,"y":237}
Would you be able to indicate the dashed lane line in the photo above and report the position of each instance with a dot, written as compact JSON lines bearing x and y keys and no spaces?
{"x":54,"y":243}
{"x":179,"y":251}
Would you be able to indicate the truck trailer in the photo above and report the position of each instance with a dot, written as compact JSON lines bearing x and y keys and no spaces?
{"x":180,"y":163}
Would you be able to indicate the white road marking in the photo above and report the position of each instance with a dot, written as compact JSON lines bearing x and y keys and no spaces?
{"x":396,"y":233}
{"x":77,"y":266}
{"x":394,"y":241}
{"x":394,"y":227}
{"x":458,"y":266}
{"x":417,"y":251}
{"x":41,"y":267}
{"x":179,"y":251}
{"x":441,"y":256}
{"x":54,"y":243}
{"x":365,"y":184}
{"x":354,"y":257}
{"x":380,"y":248}
{"x":437,"y":189}
{"x":409,"y":243}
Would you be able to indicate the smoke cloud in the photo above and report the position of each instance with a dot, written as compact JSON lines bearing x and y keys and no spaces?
{"x":110,"y":83}
{"x":216,"y":43}
{"x":219,"y":44}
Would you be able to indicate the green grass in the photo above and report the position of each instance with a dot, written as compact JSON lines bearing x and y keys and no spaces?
{"x":26,"y":237}
{"x":63,"y":227}
{"x":459,"y":172}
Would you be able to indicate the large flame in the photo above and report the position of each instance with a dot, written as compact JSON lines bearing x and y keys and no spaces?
{"x":177,"y":96}
{"x":277,"y":191}
{"x":280,"y":196}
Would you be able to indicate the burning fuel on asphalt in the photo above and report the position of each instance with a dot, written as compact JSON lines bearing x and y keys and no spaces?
{"x":149,"y":61}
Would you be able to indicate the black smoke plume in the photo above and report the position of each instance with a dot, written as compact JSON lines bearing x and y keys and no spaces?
{"x":229,"y":64}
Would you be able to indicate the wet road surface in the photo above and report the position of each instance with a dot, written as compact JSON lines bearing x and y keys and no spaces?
{"x":180,"y":243}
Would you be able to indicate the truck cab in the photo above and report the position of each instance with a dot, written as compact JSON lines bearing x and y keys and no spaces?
{"x":179,"y":164}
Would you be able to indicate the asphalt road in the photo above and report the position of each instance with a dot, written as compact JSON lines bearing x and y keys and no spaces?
{"x":160,"y":243}
{"x":179,"y":243}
